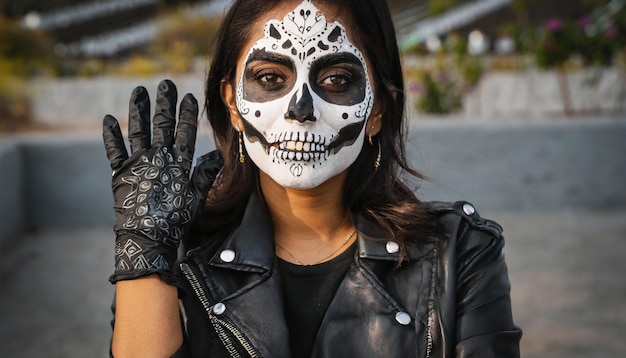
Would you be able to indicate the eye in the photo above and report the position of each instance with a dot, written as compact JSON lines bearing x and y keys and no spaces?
{"x":336,"y":80}
{"x":270,"y":79}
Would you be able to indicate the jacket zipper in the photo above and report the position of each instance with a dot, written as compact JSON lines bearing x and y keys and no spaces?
{"x":222,"y":327}
{"x":431,"y":304}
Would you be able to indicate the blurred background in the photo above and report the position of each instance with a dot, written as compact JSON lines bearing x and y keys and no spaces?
{"x":518,"y":106}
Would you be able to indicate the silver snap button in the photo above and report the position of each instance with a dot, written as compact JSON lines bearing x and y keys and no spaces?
{"x":392,"y":247}
{"x":227,"y":255}
{"x":403,"y":318}
{"x":219,"y":308}
{"x":468,"y":209}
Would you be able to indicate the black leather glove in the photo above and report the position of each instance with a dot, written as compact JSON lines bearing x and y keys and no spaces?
{"x":155,"y":197}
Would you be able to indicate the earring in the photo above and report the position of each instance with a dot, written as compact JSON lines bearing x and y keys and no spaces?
{"x":377,"y":162}
{"x":242,"y":157}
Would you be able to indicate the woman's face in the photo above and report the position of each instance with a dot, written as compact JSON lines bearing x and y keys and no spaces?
{"x":303,"y":95}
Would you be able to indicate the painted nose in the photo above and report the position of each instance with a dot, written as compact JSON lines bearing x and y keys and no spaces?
{"x":301,"y":109}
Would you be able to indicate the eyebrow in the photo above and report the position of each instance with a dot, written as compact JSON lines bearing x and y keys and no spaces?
{"x":262,"y":55}
{"x":333,"y":59}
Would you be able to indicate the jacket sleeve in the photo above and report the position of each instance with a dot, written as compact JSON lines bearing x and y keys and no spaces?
{"x":472,"y":295}
{"x":484,"y":323}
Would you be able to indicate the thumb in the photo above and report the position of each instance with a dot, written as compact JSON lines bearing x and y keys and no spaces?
{"x":209,"y":165}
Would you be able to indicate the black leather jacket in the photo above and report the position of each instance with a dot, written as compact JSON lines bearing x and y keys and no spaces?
{"x":449,"y":298}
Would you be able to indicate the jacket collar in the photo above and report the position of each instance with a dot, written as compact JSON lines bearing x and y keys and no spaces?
{"x":253,"y":241}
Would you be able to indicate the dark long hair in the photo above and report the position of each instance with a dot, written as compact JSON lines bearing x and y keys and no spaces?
{"x":376,"y":195}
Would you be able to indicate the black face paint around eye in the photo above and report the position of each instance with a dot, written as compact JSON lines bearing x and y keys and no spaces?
{"x":354,"y":91}
{"x":276,"y":65}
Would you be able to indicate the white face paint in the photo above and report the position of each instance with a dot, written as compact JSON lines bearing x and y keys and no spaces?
{"x":304,"y":96}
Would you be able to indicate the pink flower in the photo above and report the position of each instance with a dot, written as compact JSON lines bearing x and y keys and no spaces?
{"x":611,"y":32}
{"x":416,"y":87}
{"x":555,"y":24}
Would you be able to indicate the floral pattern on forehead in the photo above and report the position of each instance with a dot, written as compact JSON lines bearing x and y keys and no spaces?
{"x":304,"y":33}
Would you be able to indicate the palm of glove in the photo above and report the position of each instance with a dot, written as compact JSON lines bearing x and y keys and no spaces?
{"x":155,"y":198}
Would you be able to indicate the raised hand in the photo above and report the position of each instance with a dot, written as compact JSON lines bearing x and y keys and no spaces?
{"x":155,"y":197}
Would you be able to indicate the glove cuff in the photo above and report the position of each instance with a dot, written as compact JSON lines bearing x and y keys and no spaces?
{"x":136,"y":256}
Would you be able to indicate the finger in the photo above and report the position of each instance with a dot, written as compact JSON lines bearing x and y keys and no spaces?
{"x":209,"y":165}
{"x":186,"y":130}
{"x":165,"y":114}
{"x":113,"y":142}
{"x":139,"y":120}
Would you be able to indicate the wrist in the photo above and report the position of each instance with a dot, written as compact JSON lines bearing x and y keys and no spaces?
{"x":137,"y":256}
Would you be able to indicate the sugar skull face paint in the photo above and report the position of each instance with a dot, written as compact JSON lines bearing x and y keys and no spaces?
{"x":304,"y":97}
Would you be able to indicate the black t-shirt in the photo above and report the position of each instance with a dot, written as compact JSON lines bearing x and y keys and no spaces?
{"x":308,"y":291}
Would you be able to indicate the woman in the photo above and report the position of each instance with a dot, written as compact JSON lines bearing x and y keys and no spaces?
{"x":309,"y":244}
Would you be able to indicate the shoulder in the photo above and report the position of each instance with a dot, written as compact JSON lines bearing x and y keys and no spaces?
{"x":464,"y":234}
{"x":473,"y":287}
{"x":460,"y":215}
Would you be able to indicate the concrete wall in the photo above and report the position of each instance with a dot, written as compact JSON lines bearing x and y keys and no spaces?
{"x":67,"y":180}
{"x":553,"y":165}
{"x":11,"y":190}
{"x":84,"y":102}
{"x":541,"y":94}
{"x":524,"y":165}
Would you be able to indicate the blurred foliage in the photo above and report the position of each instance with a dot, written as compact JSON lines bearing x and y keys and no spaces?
{"x":14,"y":100}
{"x":596,"y":38}
{"x":439,"y":94}
{"x":181,"y":40}
{"x":437,"y":7}
{"x":184,"y":37}
{"x":437,"y":84}
{"x":138,"y":66}
{"x":23,"y":54}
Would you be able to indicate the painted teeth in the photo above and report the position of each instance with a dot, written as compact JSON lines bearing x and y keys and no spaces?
{"x":306,"y":156}
{"x":298,"y":146}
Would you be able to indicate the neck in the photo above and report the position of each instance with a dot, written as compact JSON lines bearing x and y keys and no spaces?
{"x":308,"y":224}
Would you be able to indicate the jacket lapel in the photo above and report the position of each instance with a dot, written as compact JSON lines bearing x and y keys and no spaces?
{"x":374,"y":299}
{"x":240,"y":275}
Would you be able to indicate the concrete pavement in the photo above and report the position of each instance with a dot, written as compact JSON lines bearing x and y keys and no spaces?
{"x":568,"y":286}
{"x":566,"y":269}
